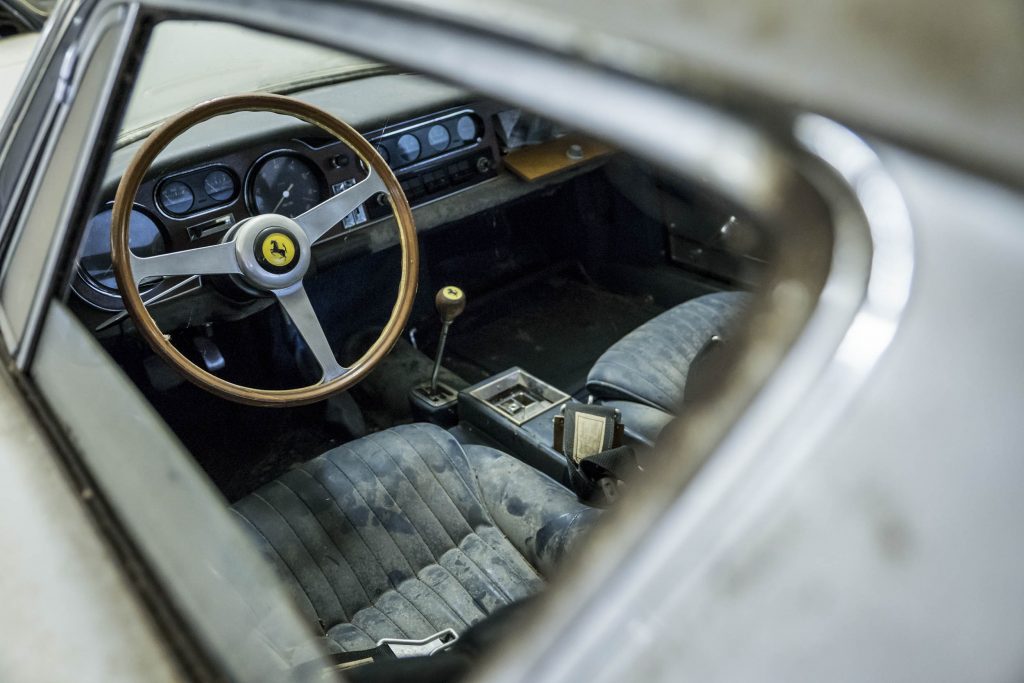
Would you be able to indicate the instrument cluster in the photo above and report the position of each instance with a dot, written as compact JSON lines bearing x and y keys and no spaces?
{"x":433,"y":157}
{"x":185,"y":193}
{"x":408,"y":146}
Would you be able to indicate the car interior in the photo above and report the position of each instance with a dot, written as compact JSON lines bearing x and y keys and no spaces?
{"x":569,"y":302}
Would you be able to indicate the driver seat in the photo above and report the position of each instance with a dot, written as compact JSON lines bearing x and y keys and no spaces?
{"x":406,"y":532}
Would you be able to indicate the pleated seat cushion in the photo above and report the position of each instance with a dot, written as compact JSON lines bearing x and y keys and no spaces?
{"x":393,"y":535}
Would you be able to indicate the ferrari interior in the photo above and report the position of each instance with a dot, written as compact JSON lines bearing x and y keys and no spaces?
{"x":277,"y":274}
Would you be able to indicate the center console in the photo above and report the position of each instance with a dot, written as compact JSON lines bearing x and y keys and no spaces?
{"x":517,"y":410}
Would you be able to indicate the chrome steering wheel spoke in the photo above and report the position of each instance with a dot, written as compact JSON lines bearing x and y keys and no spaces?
{"x":218,"y":259}
{"x":300,"y":311}
{"x":324,"y":216}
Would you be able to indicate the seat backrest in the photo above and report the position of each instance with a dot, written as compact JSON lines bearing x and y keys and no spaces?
{"x":651,"y":364}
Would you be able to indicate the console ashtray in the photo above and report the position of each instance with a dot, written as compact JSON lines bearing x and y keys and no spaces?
{"x":518,"y":395}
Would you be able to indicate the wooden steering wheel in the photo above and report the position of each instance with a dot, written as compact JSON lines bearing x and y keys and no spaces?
{"x":269,"y":252}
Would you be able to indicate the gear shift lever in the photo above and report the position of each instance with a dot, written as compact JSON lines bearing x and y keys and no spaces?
{"x":435,"y":401}
{"x":450,"y":302}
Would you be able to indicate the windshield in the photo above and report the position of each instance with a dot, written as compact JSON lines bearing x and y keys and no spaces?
{"x":189,"y":62}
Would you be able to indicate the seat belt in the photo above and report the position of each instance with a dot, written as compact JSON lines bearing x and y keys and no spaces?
{"x":387,"y":648}
{"x":590,"y":438}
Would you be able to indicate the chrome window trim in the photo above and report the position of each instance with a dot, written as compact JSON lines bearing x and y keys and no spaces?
{"x":6,"y":331}
{"x":117,"y":17}
{"x":27,"y":186}
{"x":54,"y":31}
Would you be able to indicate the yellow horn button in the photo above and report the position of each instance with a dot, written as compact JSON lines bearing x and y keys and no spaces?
{"x":278,"y":249}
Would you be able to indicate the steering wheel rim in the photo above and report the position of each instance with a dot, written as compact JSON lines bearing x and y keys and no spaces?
{"x":306,"y":229}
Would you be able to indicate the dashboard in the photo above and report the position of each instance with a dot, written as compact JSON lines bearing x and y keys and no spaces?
{"x":193,"y":204}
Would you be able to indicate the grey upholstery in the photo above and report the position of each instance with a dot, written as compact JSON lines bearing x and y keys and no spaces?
{"x":406,"y":532}
{"x":642,"y":422}
{"x":649,"y":366}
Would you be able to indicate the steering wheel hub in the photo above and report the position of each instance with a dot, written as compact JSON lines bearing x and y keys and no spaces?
{"x":273,"y":251}
{"x":276,"y":250}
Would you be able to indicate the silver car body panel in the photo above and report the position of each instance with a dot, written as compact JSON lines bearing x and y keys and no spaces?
{"x":936,"y":75}
{"x":68,"y":613}
{"x":882,"y":545}
{"x":808,"y":517}
{"x":183,"y":525}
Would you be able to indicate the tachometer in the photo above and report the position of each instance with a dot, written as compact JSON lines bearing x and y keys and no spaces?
{"x":144,"y":239}
{"x":286,"y":185}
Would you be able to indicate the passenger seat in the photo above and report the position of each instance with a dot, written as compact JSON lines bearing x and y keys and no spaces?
{"x":645,"y":374}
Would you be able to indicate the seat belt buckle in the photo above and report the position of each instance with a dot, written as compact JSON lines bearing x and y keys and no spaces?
{"x":582,"y":430}
{"x":387,"y":648}
{"x":590,"y":438}
{"x":406,"y":647}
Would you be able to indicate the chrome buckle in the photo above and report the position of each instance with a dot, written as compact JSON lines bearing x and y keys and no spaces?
{"x":404,"y":647}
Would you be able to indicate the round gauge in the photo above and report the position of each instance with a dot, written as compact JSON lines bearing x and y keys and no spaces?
{"x":466,"y":128}
{"x":439,"y":137}
{"x":144,"y":239}
{"x":219,"y":185}
{"x":286,"y":185}
{"x":383,"y":151}
{"x":408,"y":148}
{"x":176,"y":197}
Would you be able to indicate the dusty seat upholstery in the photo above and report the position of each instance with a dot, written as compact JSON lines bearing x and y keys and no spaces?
{"x":406,"y":532}
{"x":644,"y":374}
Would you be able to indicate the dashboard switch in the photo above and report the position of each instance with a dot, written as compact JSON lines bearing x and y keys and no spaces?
{"x":436,"y":180}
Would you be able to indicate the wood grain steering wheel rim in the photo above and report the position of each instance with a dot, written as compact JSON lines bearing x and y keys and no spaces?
{"x":234,"y":256}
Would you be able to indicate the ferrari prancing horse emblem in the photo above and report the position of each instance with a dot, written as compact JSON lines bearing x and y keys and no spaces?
{"x":278,"y":249}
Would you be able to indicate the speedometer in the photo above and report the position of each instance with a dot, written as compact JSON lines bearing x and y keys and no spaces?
{"x":286,"y":185}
